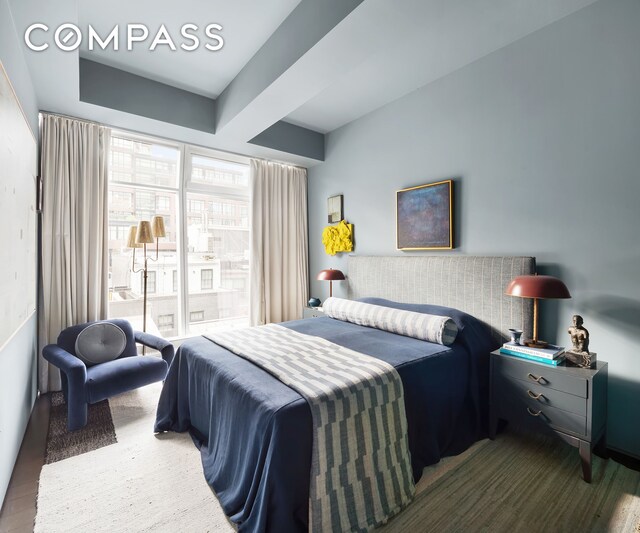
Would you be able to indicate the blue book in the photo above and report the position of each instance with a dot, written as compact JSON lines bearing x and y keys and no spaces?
{"x":549,"y":352}
{"x":543,"y":360}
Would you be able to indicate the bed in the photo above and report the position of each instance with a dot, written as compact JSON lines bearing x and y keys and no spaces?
{"x":255,"y":433}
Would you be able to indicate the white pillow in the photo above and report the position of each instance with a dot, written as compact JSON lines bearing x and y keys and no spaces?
{"x":431,"y":328}
{"x":100,"y":342}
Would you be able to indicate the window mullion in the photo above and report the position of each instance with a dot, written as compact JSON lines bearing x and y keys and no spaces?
{"x":183,"y":245}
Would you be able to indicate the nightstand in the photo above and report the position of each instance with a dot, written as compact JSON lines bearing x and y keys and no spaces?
{"x":312,"y":312}
{"x":569,"y":402}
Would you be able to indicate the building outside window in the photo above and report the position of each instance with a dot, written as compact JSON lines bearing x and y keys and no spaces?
{"x":203,"y":263}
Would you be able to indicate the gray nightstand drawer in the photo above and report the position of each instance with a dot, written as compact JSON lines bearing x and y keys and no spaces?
{"x":528,"y":413}
{"x":540,"y":396}
{"x":543,"y":375}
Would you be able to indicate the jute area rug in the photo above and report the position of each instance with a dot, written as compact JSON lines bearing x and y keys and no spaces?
{"x":141,"y":483}
{"x":155,"y":483}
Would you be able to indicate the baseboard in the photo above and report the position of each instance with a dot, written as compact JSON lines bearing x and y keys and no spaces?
{"x":624,"y":458}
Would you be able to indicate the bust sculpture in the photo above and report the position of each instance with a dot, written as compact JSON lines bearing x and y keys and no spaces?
{"x":579,"y":336}
{"x":579,"y":353}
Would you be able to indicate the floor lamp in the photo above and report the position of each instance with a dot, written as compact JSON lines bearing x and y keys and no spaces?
{"x":139,"y":236}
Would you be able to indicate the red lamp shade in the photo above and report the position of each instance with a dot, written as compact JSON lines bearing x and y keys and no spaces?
{"x":330,"y":275}
{"x":537,"y":287}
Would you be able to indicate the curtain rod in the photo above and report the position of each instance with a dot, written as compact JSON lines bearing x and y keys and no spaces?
{"x":135,"y":132}
{"x":61,"y":115}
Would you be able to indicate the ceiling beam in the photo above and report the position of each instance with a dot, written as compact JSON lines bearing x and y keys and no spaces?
{"x":290,"y":138}
{"x":260,"y":95}
{"x":116,"y":89}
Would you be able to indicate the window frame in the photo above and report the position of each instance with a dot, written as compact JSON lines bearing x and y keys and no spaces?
{"x":184,"y":186}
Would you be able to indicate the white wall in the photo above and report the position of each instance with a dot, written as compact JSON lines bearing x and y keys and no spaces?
{"x":18,"y":359}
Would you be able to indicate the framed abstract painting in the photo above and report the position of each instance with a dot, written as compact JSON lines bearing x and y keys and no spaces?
{"x":424,"y":217}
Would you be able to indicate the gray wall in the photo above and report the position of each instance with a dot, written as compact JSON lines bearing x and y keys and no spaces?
{"x":543,"y":138}
{"x":18,"y":357}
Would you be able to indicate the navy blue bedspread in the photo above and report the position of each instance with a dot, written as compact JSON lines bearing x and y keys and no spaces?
{"x":254,"y":433}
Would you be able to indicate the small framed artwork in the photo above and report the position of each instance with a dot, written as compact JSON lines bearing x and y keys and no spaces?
{"x":424,"y":217}
{"x":334,"y":209}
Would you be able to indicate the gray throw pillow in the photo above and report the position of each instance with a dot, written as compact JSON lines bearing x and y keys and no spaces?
{"x":100,"y":342}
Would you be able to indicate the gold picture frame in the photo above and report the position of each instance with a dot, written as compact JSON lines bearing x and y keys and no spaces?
{"x":424,"y":217}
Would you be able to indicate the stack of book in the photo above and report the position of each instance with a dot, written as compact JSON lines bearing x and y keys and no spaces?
{"x":551,"y":355}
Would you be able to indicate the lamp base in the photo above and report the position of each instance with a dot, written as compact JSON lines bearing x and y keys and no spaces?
{"x":535,"y":343}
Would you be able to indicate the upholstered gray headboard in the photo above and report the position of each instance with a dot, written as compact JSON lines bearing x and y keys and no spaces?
{"x":472,"y":284}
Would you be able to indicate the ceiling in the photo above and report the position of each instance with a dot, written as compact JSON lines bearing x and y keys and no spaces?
{"x":315,"y":64}
{"x":199,"y":71}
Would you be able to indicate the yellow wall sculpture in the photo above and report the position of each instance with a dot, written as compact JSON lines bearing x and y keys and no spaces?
{"x":338,"y":238}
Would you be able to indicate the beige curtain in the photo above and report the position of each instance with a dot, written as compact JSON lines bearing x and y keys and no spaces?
{"x":74,"y":269}
{"x":279,"y":250}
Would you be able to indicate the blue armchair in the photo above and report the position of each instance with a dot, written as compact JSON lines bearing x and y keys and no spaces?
{"x":83,"y":385}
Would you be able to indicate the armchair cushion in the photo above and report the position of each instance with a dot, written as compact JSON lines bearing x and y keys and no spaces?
{"x":100,"y":342}
{"x":123,"y":374}
{"x":67,"y":337}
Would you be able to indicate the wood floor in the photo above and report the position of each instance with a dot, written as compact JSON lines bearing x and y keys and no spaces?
{"x":19,"y":508}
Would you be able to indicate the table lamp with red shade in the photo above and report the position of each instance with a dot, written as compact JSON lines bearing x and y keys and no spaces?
{"x":330,"y":275}
{"x":536,"y":287}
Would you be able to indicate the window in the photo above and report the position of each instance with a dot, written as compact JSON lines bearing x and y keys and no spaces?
{"x":163,"y":203}
{"x":206,"y":279}
{"x":146,"y":201}
{"x":196,"y":316}
{"x":151,"y":281}
{"x":118,"y":233}
{"x":196,"y":206}
{"x":139,"y":161}
{"x":212,"y":171}
{"x":165,"y":321}
{"x":199,"y":283}
{"x":121,"y":200}
{"x":134,"y":197}
{"x":218,"y":241}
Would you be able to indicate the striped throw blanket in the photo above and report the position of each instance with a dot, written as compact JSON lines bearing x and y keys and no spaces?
{"x":360,"y":465}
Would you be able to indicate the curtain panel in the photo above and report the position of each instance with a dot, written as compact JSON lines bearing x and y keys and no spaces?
{"x":279,"y":285}
{"x":73,"y":269}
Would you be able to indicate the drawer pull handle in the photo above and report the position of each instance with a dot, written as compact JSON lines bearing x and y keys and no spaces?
{"x":534,"y":395}
{"x":537,"y":379}
{"x":532,"y":412}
